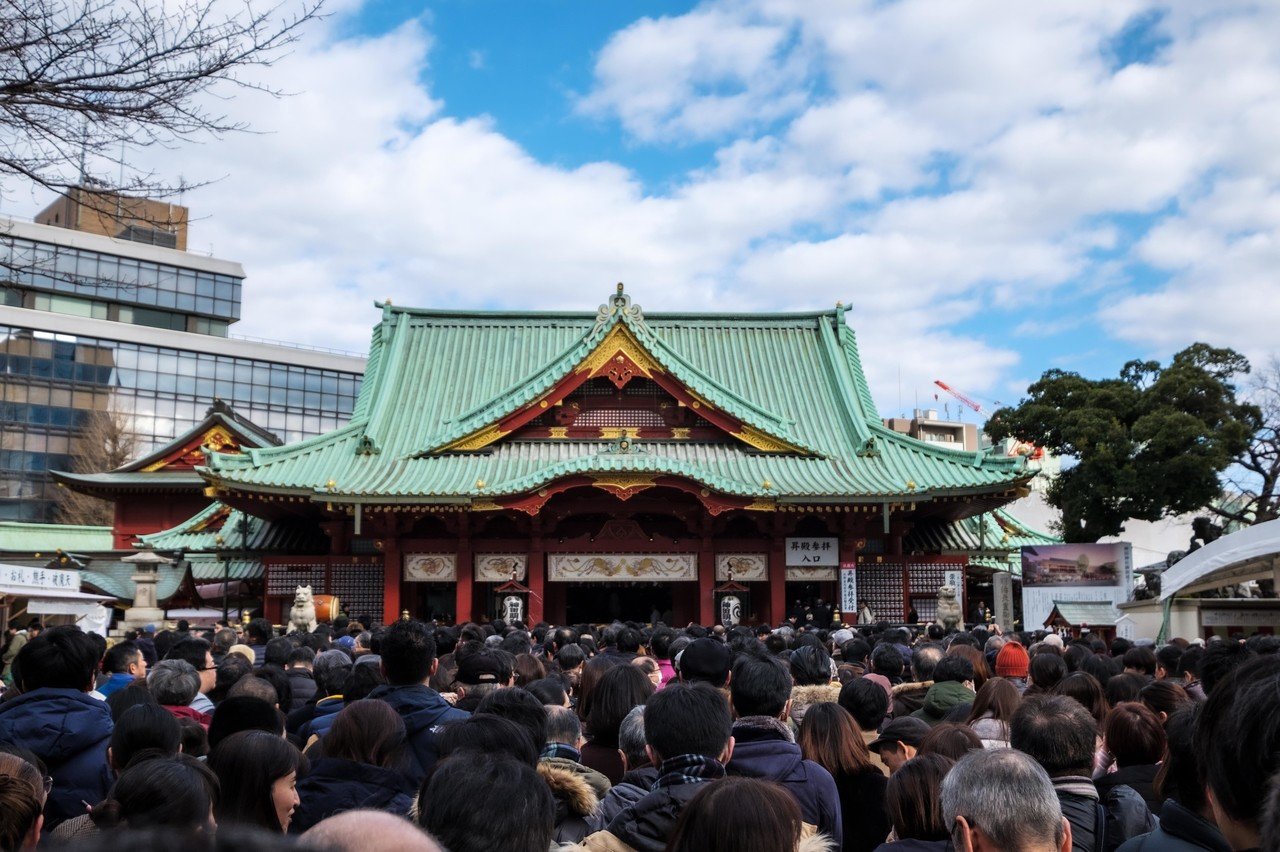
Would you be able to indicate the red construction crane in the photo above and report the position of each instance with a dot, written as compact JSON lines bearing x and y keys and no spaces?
{"x":946,"y":387}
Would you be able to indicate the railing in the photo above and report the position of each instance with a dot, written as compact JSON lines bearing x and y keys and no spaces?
{"x":326,"y":349}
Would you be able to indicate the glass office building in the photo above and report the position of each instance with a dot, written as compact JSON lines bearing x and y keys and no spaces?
{"x":94,"y":323}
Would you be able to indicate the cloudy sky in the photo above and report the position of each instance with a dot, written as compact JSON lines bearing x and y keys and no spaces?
{"x":994,"y":188}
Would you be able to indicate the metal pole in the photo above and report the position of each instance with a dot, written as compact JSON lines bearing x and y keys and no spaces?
{"x":226,"y":575}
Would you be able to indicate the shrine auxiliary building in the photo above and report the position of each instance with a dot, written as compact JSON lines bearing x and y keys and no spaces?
{"x":615,"y":463}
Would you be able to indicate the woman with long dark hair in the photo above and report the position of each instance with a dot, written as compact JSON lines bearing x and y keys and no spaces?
{"x":742,"y":815}
{"x":830,"y":737}
{"x":259,"y":773}
{"x":993,"y":708}
{"x":914,"y":803}
{"x":622,"y":688}
{"x":171,"y":792}
{"x":359,"y":765}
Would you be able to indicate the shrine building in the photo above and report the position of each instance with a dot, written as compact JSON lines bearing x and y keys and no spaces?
{"x":615,"y":464}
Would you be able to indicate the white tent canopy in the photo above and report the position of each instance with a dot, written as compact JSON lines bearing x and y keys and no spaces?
{"x":1251,"y":554}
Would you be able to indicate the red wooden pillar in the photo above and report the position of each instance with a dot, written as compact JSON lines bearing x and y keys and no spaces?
{"x":777,"y":612}
{"x":392,"y":573}
{"x":537,"y":574}
{"x":706,"y":576}
{"x":464,"y":588}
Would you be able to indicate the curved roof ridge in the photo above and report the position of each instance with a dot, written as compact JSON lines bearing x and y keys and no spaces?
{"x":639,"y":463}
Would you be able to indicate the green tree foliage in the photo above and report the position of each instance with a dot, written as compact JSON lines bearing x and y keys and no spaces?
{"x":1147,"y":444}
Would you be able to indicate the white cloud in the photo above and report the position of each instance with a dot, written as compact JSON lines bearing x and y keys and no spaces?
{"x":950,"y":170}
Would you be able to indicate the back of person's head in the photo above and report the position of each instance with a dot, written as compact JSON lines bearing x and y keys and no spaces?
{"x":1141,"y":660}
{"x":1181,"y":776}
{"x":953,"y":668}
{"x":738,"y":815}
{"x":176,"y":792}
{"x":831,"y":738}
{"x":231,"y":670}
{"x":59,"y":658}
{"x":950,"y":739}
{"x":301,"y":656}
{"x":134,"y":694}
{"x":1169,"y":662}
{"x":367,"y":831}
{"x":912,"y":798}
{"x":330,"y":671}
{"x":563,"y":726}
{"x":1164,"y":696}
{"x":866,"y":701}
{"x":1190,"y":661}
{"x":259,"y":631}
{"x":520,"y":707}
{"x":143,"y":727}
{"x":687,"y":719}
{"x":550,"y":691}
{"x":570,"y":656}
{"x":1006,"y":797}
{"x":243,"y":713}
{"x":280,"y":684}
{"x":174,"y":683}
{"x":854,"y":651}
{"x":252,"y":686}
{"x":364,"y":679}
{"x":22,"y":798}
{"x":477,"y":802}
{"x":368,"y":732}
{"x":193,"y":650}
{"x":620,"y":689}
{"x":408,"y":653}
{"x":1237,"y":738}
{"x":1124,"y":687}
{"x":1047,"y":668}
{"x":923,"y":659}
{"x":660,"y":642}
{"x":810,"y":666}
{"x":277,"y":651}
{"x":1084,"y":687}
{"x":248,"y":764}
{"x":887,"y":660}
{"x":1057,"y":732}
{"x":631,"y":741}
{"x":487,"y":735}
{"x":628,"y":640}
{"x":760,"y":686}
{"x":1219,"y":660}
{"x":120,"y":656}
{"x":997,"y":699}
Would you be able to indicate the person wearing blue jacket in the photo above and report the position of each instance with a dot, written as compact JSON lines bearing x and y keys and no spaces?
{"x":57,"y":720}
{"x":764,"y":747}
{"x":408,"y":662}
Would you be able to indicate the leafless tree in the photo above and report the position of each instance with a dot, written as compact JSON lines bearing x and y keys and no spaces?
{"x":104,"y":443}
{"x":1252,"y":485}
{"x":84,"y":82}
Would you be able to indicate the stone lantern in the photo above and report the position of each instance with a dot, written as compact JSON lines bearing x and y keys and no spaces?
{"x":146,"y":608}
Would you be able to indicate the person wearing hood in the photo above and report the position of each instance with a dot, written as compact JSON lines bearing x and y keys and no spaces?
{"x":814,"y":675}
{"x":952,"y":687}
{"x":764,"y":746}
{"x":358,"y":765}
{"x":408,"y":661}
{"x":56,"y":719}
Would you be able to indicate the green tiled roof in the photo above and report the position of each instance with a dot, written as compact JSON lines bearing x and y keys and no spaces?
{"x":198,"y":534}
{"x":1093,"y":613}
{"x":992,"y":540}
{"x":19,"y":537}
{"x":113,"y":578}
{"x":436,"y":376}
{"x":206,"y":569}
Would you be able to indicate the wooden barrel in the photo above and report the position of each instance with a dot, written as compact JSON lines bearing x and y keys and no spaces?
{"x":326,"y":608}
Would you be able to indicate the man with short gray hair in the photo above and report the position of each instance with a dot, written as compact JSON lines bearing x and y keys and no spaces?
{"x":638,"y":776}
{"x":174,"y":684}
{"x":1001,"y":800}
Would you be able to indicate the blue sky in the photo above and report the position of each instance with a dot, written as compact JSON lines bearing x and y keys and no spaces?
{"x":994,"y":189}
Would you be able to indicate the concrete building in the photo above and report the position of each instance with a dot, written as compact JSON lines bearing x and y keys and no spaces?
{"x":924,"y":425}
{"x":94,"y":321}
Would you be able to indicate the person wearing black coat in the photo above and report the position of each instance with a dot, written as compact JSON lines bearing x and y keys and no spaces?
{"x":334,"y":785}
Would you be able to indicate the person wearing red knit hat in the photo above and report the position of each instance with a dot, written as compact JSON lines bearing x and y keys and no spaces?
{"x":1013,"y":664}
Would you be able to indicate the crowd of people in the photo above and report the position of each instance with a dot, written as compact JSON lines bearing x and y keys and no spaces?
{"x":499,"y":738}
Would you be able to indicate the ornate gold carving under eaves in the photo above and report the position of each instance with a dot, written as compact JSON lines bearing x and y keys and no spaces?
{"x":498,"y":567}
{"x":624,"y":485}
{"x":430,"y":567}
{"x":622,"y":567}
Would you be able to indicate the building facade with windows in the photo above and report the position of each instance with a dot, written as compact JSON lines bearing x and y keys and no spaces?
{"x":98,"y":323}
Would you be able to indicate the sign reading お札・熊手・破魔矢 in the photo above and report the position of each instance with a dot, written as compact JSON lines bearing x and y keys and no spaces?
{"x":813,"y":552}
